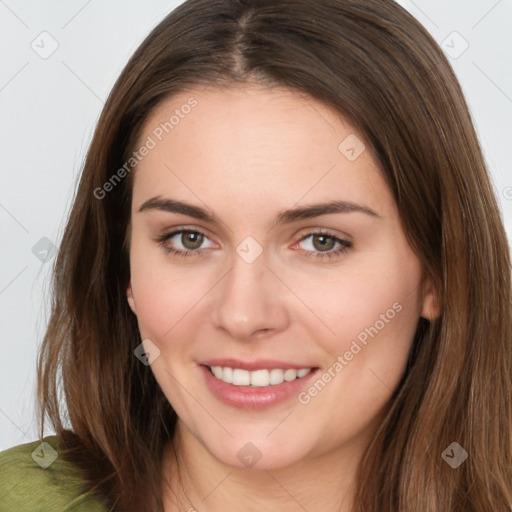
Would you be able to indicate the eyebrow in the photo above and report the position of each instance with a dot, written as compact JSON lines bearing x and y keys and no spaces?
{"x":283,"y":217}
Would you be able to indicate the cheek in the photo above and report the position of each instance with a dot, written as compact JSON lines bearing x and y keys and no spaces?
{"x":363,"y":303}
{"x":373,"y":315}
{"x":167,"y":295}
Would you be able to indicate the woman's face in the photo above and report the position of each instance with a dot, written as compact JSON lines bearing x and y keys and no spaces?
{"x":291,"y":256}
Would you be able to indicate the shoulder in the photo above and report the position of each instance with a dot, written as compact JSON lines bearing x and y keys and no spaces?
{"x":34,"y":477}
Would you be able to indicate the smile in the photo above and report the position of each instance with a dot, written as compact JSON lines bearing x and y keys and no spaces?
{"x":257,"y":378}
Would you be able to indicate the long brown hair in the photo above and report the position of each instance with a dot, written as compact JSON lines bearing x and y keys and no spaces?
{"x":380,"y":69}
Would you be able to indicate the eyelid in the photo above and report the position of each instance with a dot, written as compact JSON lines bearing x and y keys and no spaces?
{"x":178,"y":229}
{"x":306,"y":232}
{"x":343,"y":240}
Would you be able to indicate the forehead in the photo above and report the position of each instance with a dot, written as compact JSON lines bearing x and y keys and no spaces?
{"x":250,"y":146}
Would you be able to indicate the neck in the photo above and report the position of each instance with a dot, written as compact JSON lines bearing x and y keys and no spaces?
{"x":198,"y":482}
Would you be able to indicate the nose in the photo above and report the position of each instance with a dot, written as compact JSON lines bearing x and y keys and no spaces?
{"x":251,"y":302}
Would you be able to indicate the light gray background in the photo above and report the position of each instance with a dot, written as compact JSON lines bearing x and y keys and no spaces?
{"x":49,"y":107}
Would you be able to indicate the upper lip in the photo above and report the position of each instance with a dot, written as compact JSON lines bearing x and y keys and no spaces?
{"x":260,"y":364}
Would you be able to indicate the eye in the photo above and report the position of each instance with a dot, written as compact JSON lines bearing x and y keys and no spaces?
{"x":327,"y":245}
{"x":188,"y":241}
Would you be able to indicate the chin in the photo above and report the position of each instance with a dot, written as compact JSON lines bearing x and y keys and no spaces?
{"x":257,"y":452}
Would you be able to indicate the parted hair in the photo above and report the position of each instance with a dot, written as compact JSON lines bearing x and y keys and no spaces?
{"x":372,"y":62}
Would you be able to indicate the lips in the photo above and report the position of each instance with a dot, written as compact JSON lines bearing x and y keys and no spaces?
{"x":255,"y":384}
{"x":260,"y":364}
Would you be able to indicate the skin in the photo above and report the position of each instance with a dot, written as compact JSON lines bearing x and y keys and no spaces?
{"x":245,"y":154}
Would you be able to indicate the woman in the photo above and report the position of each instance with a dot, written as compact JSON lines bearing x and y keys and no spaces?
{"x":284,"y":283}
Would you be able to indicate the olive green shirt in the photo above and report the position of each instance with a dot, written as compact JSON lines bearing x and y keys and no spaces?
{"x":33,"y":477}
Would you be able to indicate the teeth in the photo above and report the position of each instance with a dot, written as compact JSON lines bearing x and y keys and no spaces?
{"x":260,"y":378}
{"x":257,"y":378}
{"x":227,"y":375}
{"x":290,"y":375}
{"x":276,"y":377}
{"x":240,"y":377}
{"x":217,"y":371}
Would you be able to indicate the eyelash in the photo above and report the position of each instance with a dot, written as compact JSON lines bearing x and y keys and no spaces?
{"x":345,"y":245}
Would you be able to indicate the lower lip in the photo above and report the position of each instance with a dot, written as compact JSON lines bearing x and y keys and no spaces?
{"x":246,"y":397}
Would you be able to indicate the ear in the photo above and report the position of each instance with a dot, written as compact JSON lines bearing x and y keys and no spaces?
{"x":129,"y":296}
{"x":430,"y":309}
